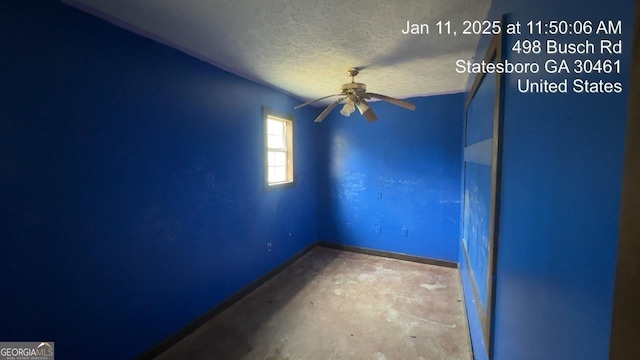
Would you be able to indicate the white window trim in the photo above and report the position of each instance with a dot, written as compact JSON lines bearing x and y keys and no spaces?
{"x":289,"y":148}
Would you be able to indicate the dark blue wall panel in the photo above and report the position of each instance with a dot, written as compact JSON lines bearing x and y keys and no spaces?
{"x":131,"y":192}
{"x":475,"y":322}
{"x":561,"y":186}
{"x":400,"y":172}
{"x":480,"y":112}
{"x":477,"y":174}
{"x":475,"y":227}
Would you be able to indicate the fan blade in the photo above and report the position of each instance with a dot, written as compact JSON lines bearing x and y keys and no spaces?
{"x":404,"y":104}
{"x":312,"y":101}
{"x":328,"y":110}
{"x":366,"y":111}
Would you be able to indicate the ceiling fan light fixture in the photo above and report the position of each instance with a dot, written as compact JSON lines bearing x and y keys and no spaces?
{"x":348,"y":108}
{"x":355,"y":94}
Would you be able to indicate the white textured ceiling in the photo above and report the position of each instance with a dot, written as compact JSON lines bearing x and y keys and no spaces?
{"x":304,"y":46}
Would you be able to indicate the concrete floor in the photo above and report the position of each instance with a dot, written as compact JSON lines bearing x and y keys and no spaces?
{"x":333,"y":304}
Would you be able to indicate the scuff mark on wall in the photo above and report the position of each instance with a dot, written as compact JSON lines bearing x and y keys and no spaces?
{"x":449,"y":201}
{"x":402,"y":185}
{"x":350,"y":186}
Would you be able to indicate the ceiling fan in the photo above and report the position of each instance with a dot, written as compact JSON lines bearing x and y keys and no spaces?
{"x":356,"y":96}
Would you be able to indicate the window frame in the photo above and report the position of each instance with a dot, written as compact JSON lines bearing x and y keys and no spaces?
{"x":289,"y":150}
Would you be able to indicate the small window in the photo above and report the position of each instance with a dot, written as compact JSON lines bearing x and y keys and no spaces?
{"x":279,"y":144}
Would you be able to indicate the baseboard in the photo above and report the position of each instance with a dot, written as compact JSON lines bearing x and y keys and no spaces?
{"x":388,"y":254}
{"x":201,"y":320}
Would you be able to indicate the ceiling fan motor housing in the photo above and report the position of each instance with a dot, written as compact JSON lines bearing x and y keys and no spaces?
{"x":354,"y":88}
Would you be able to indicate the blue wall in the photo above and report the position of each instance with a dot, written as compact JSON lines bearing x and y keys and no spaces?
{"x":561,"y":186}
{"x":400,"y":172}
{"x":131,"y":192}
